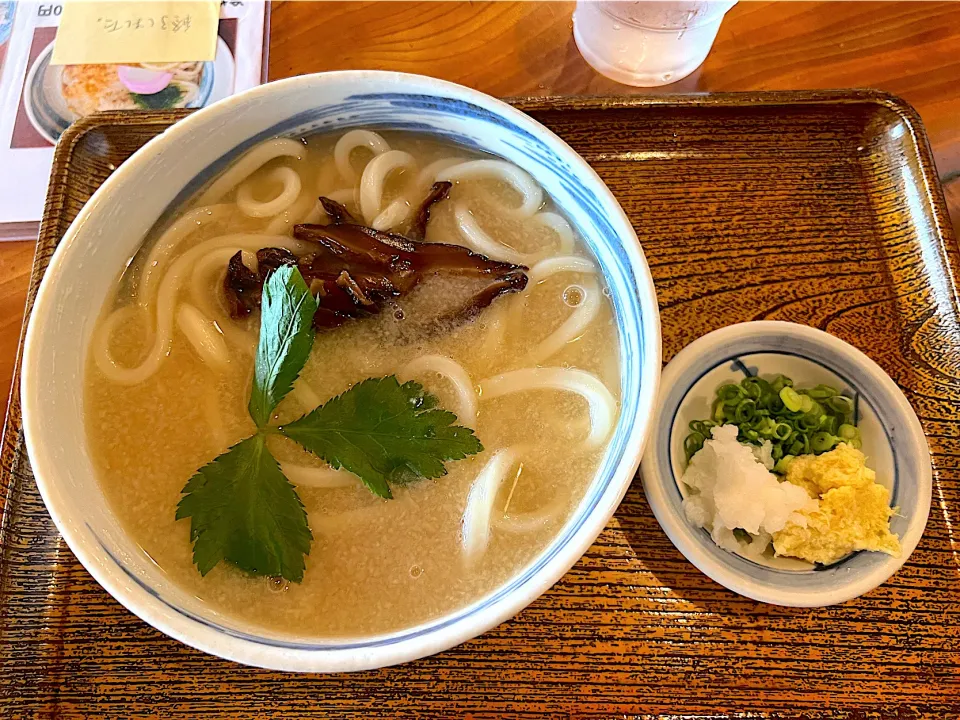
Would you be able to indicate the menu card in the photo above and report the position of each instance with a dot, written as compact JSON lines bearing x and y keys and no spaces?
{"x":39,"y":99}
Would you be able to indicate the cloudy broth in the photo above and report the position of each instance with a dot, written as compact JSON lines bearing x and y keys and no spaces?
{"x":375,"y":565}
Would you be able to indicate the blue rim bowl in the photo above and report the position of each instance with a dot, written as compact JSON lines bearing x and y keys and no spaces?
{"x":151,"y":184}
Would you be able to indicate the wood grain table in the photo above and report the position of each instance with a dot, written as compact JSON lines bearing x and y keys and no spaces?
{"x":911,"y":49}
{"x":897,"y":641}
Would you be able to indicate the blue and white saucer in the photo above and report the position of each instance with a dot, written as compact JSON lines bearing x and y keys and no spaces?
{"x":893,"y":442}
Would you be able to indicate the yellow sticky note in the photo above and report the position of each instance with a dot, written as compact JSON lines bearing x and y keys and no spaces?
{"x":118,"y":31}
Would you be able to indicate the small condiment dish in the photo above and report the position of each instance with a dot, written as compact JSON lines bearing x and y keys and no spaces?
{"x":892,"y":437}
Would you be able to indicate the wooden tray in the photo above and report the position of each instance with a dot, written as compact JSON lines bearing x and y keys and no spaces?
{"x":820,"y":208}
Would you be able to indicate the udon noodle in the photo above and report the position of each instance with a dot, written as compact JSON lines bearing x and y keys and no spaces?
{"x":535,"y":374}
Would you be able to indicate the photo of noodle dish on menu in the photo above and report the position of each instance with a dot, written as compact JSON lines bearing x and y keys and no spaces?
{"x":41,"y":99}
{"x":55,"y":96}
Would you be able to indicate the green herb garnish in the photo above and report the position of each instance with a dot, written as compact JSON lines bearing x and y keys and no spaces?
{"x":242,"y":508}
{"x":286,"y":337}
{"x":383,"y":431}
{"x":795,"y":421}
{"x":166,"y":98}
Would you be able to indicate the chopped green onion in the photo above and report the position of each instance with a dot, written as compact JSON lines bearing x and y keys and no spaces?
{"x":783,"y":464}
{"x":754,"y":387}
{"x":745,"y":412}
{"x":794,"y":422}
{"x":742,"y":535}
{"x":766,"y":427}
{"x":701,"y":426}
{"x":791,"y":399}
{"x":830,"y":424}
{"x":780,"y":382}
{"x":782,"y":431}
{"x":693,"y":444}
{"x":718,"y":412}
{"x":822,"y":441}
{"x":848,"y":432}
{"x":841,"y":404}
{"x":821,"y":392}
{"x":729,"y":394}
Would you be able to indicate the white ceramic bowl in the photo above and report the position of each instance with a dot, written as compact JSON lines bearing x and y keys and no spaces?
{"x":893,"y":442}
{"x":148,"y":186}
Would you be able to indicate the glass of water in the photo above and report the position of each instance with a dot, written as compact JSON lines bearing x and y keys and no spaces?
{"x":647,"y":42}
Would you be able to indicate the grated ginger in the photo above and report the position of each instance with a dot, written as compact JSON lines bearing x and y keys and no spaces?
{"x":853,"y":513}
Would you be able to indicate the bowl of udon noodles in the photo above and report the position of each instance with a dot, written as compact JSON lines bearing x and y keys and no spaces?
{"x":433,"y":244}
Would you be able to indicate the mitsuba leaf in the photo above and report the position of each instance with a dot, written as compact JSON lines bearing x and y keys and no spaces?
{"x":286,"y":337}
{"x":243,"y":510}
{"x":384,"y":432}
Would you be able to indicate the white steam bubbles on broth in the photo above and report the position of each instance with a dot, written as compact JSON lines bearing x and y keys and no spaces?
{"x":169,"y":380}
